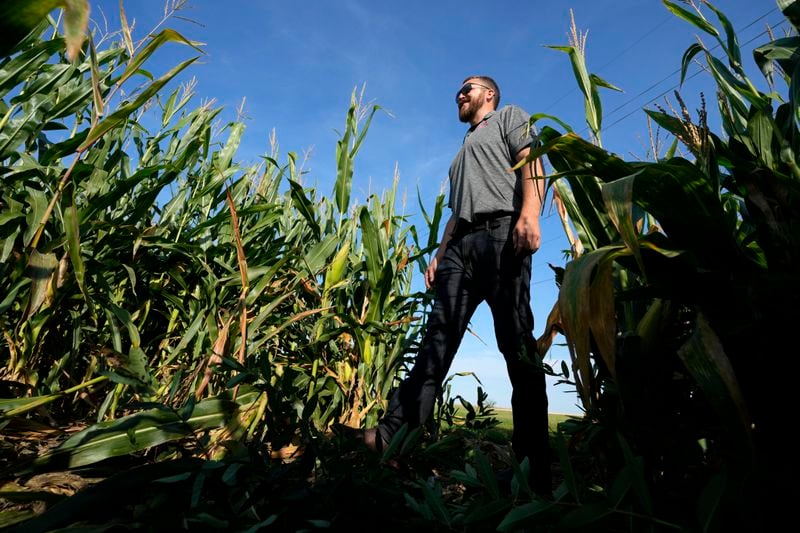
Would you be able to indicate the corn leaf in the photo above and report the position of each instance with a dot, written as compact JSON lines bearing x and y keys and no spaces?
{"x":525,"y":515}
{"x":695,"y":20}
{"x":593,"y":114}
{"x":704,"y":356}
{"x":164,"y":36}
{"x":618,"y":197}
{"x":139,"y":431}
{"x":76,"y":19}
{"x":575,"y":292}
{"x":72,"y":231}
{"x":30,"y":61}
{"x":686,"y":60}
{"x":41,"y":267}
{"x":791,"y":10}
{"x":19,"y":17}
{"x":732,"y":48}
{"x":119,"y":116}
{"x":303,"y":205}
{"x":602,"y":315}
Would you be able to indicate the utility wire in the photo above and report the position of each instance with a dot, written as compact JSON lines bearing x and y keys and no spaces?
{"x":663,"y":93}
{"x":666,"y":78}
{"x":612,"y":60}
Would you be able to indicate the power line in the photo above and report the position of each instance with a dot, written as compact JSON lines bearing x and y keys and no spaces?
{"x":666,"y":78}
{"x":613,"y":59}
{"x":650,"y":100}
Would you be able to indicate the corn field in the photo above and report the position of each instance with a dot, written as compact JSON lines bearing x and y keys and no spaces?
{"x":180,"y":331}
{"x":147,"y":266}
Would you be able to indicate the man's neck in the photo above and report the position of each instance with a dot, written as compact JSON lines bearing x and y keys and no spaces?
{"x":479,"y":116}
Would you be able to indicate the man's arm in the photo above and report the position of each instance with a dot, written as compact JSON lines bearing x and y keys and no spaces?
{"x":430,"y":272}
{"x":527,"y":235}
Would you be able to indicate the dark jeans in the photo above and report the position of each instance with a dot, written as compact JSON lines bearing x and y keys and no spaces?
{"x":480,"y":265}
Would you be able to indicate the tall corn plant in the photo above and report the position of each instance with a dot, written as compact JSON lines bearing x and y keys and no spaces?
{"x":148,"y":265}
{"x":370,"y":318}
{"x":672,"y":323}
{"x":67,"y":197}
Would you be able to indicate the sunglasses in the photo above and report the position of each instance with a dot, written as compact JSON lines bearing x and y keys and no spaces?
{"x":467,"y":87}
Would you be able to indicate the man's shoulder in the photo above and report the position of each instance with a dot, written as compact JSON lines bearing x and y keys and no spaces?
{"x":511,"y":110}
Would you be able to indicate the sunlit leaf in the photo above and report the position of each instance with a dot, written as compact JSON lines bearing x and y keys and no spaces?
{"x":119,"y":116}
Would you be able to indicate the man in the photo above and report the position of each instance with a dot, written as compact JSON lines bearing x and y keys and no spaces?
{"x":484,"y":255}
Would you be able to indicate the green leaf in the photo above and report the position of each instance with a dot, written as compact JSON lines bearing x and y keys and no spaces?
{"x":484,"y":512}
{"x":704,"y":356}
{"x":538,"y":116}
{"x":15,"y":406}
{"x":709,"y":506}
{"x":600,"y":82}
{"x":317,"y":256}
{"x":435,"y":502}
{"x":72,"y":231}
{"x":125,"y":317}
{"x":47,"y":81}
{"x":593,"y":115}
{"x":734,"y":88}
{"x":304,"y":206}
{"x":732,"y":49}
{"x":761,"y":127}
{"x":344,"y":163}
{"x":11,"y":297}
{"x":119,"y":116}
{"x":12,"y":210}
{"x":670,"y":123}
{"x":226,"y":154}
{"x":467,"y":478}
{"x":30,"y":61}
{"x":635,"y":464}
{"x":372,"y":248}
{"x":487,"y":475}
{"x":570,"y":479}
{"x":40,"y":271}
{"x":783,"y":51}
{"x":688,"y":55}
{"x":154,"y":44}
{"x":618,"y":197}
{"x":337,"y":268}
{"x":21,"y":130}
{"x":588,"y":515}
{"x":697,"y":21}
{"x":791,"y":10}
{"x":138,"y":431}
{"x":396,"y":443}
{"x":524,"y":515}
{"x":20,"y":17}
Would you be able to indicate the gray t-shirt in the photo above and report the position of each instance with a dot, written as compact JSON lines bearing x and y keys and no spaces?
{"x":480,"y":182}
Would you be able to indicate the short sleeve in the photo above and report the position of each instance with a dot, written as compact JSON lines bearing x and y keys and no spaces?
{"x":516,"y":129}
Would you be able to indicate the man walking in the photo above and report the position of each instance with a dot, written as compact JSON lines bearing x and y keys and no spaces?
{"x":484,"y":255}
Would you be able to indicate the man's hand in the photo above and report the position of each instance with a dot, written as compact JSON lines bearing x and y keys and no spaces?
{"x":527,"y":236}
{"x":430,"y":272}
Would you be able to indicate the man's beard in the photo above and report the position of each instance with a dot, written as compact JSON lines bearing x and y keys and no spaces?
{"x":466,"y":114}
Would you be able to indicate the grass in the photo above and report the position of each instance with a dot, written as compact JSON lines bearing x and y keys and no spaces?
{"x":502,"y":432}
{"x":504,"y":416}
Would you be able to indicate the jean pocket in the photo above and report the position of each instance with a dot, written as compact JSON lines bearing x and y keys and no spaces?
{"x":500,"y":230}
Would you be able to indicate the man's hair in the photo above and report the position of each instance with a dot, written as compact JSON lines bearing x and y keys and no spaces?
{"x":491,"y":83}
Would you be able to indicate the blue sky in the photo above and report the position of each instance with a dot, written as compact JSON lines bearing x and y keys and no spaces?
{"x":295,"y":65}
